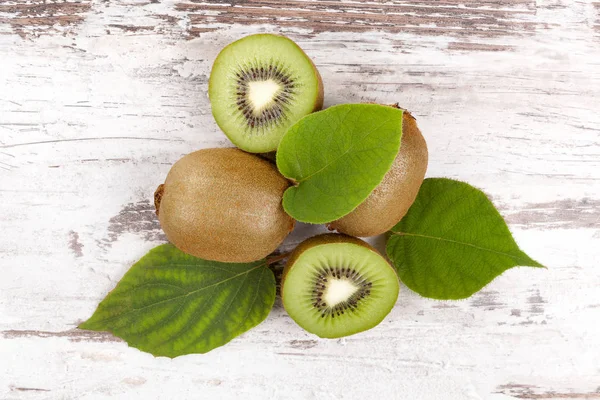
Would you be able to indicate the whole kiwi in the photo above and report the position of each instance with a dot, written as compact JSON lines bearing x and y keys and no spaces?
{"x":223,"y":205}
{"x":392,"y":198}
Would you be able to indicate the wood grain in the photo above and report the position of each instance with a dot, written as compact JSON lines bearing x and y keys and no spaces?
{"x":39,"y":17}
{"x":420,"y":17}
{"x":98,"y":99}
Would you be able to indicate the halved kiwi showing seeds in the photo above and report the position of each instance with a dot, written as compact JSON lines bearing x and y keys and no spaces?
{"x":259,"y":86}
{"x":336,"y":285}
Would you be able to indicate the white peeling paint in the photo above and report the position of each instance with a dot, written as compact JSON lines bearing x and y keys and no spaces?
{"x":90,"y":124}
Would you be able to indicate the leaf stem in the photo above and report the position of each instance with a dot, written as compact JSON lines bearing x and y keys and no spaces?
{"x":279,"y":257}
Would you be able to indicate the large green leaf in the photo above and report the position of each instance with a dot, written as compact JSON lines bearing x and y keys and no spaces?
{"x":170,"y":303}
{"x":452,"y":242}
{"x":337,"y":157}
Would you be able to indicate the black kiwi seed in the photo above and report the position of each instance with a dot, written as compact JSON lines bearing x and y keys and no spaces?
{"x":350,"y":304}
{"x":274,"y":114}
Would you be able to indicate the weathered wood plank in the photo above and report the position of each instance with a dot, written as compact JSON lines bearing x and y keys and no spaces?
{"x":98,"y":99}
{"x":39,"y":17}
{"x":424,"y":17}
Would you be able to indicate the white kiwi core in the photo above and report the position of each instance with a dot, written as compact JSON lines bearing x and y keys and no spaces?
{"x":338,"y":291}
{"x":262,"y":93}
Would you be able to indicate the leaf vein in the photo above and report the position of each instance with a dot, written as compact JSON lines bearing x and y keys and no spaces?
{"x":329,"y":164}
{"x":459,"y":242}
{"x":134,"y":310}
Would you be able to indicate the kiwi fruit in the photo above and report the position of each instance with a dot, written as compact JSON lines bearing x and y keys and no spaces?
{"x":392,"y":198}
{"x":335,"y":285}
{"x":259,"y":86}
{"x":223,"y":205}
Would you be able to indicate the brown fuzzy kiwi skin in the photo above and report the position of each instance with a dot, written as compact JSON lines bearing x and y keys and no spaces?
{"x":318,"y":240}
{"x":321,"y":93}
{"x":224,"y":205}
{"x":392,"y":198}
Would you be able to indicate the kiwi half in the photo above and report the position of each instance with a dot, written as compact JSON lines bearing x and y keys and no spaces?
{"x":335,"y":285}
{"x":223,"y":205}
{"x":259,"y":86}
{"x":392,"y":198}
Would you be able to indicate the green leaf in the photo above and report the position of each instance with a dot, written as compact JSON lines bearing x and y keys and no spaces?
{"x":337,"y":157}
{"x":170,"y":303}
{"x":452,"y":242}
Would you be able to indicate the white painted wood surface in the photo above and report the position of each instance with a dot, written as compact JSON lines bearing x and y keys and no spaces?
{"x":98,"y":99}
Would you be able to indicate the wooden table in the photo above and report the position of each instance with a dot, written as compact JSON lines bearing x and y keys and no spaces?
{"x":98,"y":99}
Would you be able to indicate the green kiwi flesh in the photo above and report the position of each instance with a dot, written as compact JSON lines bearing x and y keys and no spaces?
{"x":223,"y":205}
{"x":336,"y":285}
{"x":392,"y":198}
{"x":259,"y":86}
